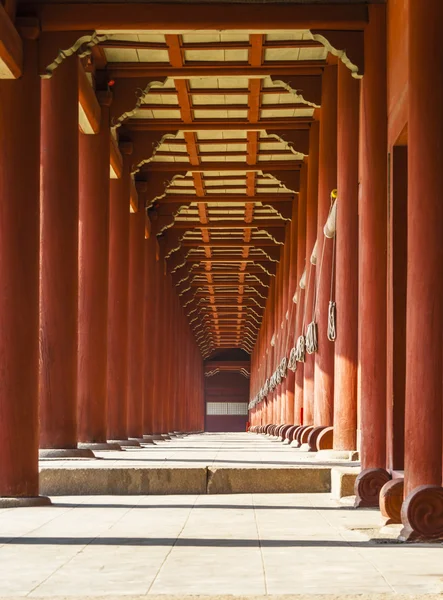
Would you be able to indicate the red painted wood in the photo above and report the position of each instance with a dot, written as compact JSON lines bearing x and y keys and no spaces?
{"x":117,"y":369}
{"x":423,"y":460}
{"x":346,"y":288}
{"x":19,"y":268}
{"x":59,"y":213}
{"x":327,"y":181}
{"x":136,"y":322}
{"x":311,"y":236}
{"x":150,"y":307}
{"x":372,"y":244}
{"x":300,"y":307}
{"x":93,"y":282}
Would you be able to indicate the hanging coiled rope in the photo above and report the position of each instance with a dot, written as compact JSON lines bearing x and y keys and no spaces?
{"x":311,"y":338}
{"x":330,"y":231}
{"x":300,"y":349}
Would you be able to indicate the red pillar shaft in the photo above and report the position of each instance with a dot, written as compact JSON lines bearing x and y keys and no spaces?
{"x":292,"y":313}
{"x":157,"y":344}
{"x":136,"y":321}
{"x":327,"y":181}
{"x":346,"y":252}
{"x":372,"y":244}
{"x":93,"y":282}
{"x":424,"y":314}
{"x":150,"y":323}
{"x":19,"y":270}
{"x":300,"y":307}
{"x":311,"y":236}
{"x":117,"y":371}
{"x":59,"y":257}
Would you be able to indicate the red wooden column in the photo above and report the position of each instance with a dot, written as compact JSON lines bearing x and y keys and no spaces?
{"x":327,"y":181}
{"x":59,"y":262}
{"x":93,"y":283}
{"x":422,"y":512}
{"x":300,"y":307}
{"x":373,"y":262}
{"x":149,"y":350}
{"x":136,"y":319}
{"x":291,"y":312}
{"x":19,"y":271}
{"x":157,"y":345}
{"x":285,"y":321}
{"x":118,"y":279}
{"x":346,"y":253}
{"x":311,"y":236}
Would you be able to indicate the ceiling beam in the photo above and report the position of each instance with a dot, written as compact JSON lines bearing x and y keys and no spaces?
{"x":217,"y":124}
{"x":11,"y":48}
{"x":231,"y":198}
{"x":257,"y":224}
{"x":194,"y":16}
{"x":121,"y":70}
{"x":287,"y":165}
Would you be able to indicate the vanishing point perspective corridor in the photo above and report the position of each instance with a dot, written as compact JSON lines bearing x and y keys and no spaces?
{"x":221,"y":302}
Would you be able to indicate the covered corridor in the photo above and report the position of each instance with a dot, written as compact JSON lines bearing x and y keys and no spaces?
{"x":221,"y":216}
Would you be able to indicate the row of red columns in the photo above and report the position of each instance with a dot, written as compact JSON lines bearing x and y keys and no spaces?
{"x":94,"y":345}
{"x":350,"y":376}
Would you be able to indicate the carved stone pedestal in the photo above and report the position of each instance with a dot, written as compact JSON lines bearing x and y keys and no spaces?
{"x":368,"y":486}
{"x":422,"y":514}
{"x":391,"y":500}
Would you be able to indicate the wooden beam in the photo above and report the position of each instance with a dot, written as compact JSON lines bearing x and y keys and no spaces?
{"x":296,"y":123}
{"x":135,"y":45}
{"x":11,"y":49}
{"x":287,"y":165}
{"x":230,"y":198}
{"x":228,"y":244}
{"x":194,"y":16}
{"x":122,"y":70}
{"x":89,"y":108}
{"x":257,"y":224}
{"x":116,"y":160}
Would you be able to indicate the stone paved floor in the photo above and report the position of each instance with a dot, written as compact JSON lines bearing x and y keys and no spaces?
{"x":202,"y":450}
{"x":213,"y":545}
{"x":245,"y":544}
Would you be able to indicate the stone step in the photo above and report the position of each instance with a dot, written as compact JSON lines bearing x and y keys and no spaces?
{"x":100,"y":480}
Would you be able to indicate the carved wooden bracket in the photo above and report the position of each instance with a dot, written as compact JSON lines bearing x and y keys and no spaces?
{"x":348,"y":46}
{"x":129,"y":94}
{"x":306,"y":86}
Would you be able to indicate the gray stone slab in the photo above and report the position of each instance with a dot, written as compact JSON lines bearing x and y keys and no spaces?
{"x":122,"y":481}
{"x":225,"y":480}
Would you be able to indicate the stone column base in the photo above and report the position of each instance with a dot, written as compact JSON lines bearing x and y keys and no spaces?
{"x":125,"y":443}
{"x":21,"y":502}
{"x":65,"y":453}
{"x":391,"y":500}
{"x":349,"y":455}
{"x":422,"y":515}
{"x":99,"y":446}
{"x":368,"y":486}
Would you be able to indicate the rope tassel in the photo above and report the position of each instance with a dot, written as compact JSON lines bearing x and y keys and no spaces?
{"x":311,"y":338}
{"x":300,"y":349}
{"x":332,"y":316}
{"x":292,"y":364}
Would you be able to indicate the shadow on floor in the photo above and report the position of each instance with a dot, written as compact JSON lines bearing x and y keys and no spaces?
{"x":200,"y":542}
{"x":196,"y":506}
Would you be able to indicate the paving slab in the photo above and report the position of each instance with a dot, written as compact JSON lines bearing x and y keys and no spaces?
{"x":246,"y":545}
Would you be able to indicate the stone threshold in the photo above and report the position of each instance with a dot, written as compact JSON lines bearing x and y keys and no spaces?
{"x":115,"y":480}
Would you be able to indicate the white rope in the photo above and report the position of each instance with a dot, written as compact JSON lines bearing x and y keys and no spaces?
{"x":300,"y":349}
{"x":292,"y":363}
{"x":332,"y":309}
{"x":311,"y":338}
{"x":332,"y":312}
